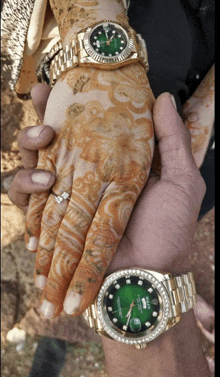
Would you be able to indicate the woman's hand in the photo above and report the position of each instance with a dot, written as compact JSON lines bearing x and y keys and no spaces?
{"x":162,"y":224}
{"x":101,"y":156}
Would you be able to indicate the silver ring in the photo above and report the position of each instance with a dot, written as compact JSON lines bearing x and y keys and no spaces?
{"x":60,"y":198}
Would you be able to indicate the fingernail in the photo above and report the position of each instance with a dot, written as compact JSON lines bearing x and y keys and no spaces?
{"x":72,"y":302}
{"x":47,"y":309}
{"x":32,"y":243}
{"x":35,"y":131}
{"x":173,"y":101}
{"x":41,"y":178}
{"x":40,"y":281}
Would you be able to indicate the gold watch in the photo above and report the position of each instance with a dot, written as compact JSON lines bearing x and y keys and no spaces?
{"x":134,"y":306}
{"x":104,"y":45}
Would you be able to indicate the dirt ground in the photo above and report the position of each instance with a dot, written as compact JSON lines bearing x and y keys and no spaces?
{"x":20,"y":298}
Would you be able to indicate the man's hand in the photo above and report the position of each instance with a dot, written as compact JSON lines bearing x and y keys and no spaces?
{"x":162,"y":224}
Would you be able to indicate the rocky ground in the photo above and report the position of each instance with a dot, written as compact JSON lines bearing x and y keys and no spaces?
{"x":20,"y":298}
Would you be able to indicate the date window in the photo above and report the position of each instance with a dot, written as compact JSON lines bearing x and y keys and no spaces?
{"x":135,"y":324}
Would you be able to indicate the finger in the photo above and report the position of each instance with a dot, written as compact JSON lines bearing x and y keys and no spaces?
{"x":30,"y":140}
{"x":28,"y":182}
{"x":70,"y":241}
{"x":178,"y":165}
{"x":101,"y":243}
{"x":172,"y":134}
{"x":50,"y":224}
{"x":39,"y":95}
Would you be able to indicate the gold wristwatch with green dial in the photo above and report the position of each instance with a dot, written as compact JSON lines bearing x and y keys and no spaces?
{"x":134,"y":306}
{"x":104,"y":45}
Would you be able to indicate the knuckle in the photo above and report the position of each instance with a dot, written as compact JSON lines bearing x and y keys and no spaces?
{"x":199,"y":184}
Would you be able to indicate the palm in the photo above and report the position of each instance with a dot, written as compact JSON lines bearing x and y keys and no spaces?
{"x":161,"y":227}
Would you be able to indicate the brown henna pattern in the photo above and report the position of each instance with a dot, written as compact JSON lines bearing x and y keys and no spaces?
{"x":73,"y":15}
{"x":101,"y":156}
{"x":199,"y":116}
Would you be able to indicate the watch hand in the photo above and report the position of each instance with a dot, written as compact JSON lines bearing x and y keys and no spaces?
{"x":131,"y":307}
{"x":126,"y":307}
{"x":129,"y":317}
{"x":109,"y":40}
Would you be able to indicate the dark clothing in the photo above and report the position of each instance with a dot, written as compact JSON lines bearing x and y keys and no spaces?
{"x":180,"y":39}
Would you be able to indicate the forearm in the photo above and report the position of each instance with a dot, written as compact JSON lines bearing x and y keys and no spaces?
{"x":175,"y":353}
{"x":73,"y":15}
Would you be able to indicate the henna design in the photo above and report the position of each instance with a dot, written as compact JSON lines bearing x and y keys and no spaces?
{"x":101,"y":155}
{"x":73,"y":15}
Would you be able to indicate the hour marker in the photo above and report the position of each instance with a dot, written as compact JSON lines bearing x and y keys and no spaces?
{"x":99,"y":32}
{"x":140,"y":282}
{"x":95,"y":37}
{"x":109,"y":54}
{"x":122,"y":41}
{"x":148,"y":324}
{"x":154,"y":314}
{"x":116,"y":53}
{"x":121,"y":48}
{"x":150,"y":290}
{"x":115,"y":320}
{"x":117,"y":286}
{"x":125,"y":328}
{"x":154,"y":301}
{"x":110,"y":296}
{"x":110,"y":309}
{"x":128,"y":281}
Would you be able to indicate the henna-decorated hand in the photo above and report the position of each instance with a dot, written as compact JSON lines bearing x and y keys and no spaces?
{"x":101,"y":156}
{"x":161,"y":227}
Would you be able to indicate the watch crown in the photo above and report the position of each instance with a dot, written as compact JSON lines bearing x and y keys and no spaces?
{"x":140,"y":346}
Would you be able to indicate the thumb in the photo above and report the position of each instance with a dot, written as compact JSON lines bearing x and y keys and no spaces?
{"x":39,"y":95}
{"x":174,"y":140}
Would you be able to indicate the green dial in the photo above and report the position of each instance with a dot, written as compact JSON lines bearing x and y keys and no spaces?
{"x":132,"y":304}
{"x":108,"y":40}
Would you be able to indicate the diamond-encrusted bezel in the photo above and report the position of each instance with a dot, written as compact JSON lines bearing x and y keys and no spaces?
{"x":113,"y":332}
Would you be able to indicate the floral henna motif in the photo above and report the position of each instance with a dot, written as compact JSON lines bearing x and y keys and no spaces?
{"x":73,"y":15}
{"x":101,"y":156}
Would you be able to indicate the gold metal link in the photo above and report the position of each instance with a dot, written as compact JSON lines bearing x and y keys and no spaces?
{"x":182,"y":292}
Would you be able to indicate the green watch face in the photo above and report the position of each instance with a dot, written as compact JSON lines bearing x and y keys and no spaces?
{"x":108,"y":40}
{"x":108,"y":43}
{"x":132,"y":304}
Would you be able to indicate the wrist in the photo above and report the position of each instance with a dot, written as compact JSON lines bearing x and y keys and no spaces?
{"x":175,"y":352}
{"x":74,"y":18}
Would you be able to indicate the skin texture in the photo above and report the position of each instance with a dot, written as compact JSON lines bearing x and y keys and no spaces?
{"x":73,"y":15}
{"x":101,"y":156}
{"x":95,"y":112}
{"x":199,"y":116}
{"x":158,"y":236}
